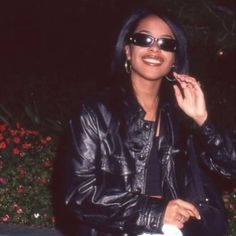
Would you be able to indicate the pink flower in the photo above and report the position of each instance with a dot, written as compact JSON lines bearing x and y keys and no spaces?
{"x":2,"y":181}
{"x":48,"y":138}
{"x":2,"y":127}
{"x":19,"y":210}
{"x":53,"y":220}
{"x":5,"y":218}
{"x":1,"y":137}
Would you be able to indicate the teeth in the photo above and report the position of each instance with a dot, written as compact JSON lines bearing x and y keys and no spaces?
{"x":150,"y":60}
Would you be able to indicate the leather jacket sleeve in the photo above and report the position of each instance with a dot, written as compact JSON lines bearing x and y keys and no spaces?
{"x":110,"y":209}
{"x":217,"y":150}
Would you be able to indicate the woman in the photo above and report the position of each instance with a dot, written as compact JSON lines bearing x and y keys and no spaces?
{"x":131,"y":164}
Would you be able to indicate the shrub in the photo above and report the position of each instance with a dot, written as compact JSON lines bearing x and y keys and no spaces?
{"x":26,"y":162}
{"x":230,"y":203}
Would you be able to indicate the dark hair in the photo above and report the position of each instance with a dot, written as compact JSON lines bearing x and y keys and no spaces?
{"x":129,"y":26}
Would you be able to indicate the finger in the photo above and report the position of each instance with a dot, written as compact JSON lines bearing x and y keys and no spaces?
{"x":178,"y":95}
{"x":185,"y":85}
{"x":187,"y":79}
{"x":190,"y":208}
{"x":184,"y":77}
{"x":182,"y":219}
{"x":184,"y":215}
{"x":175,"y":222}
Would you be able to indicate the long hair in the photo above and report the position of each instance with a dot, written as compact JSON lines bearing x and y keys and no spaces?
{"x":129,"y":26}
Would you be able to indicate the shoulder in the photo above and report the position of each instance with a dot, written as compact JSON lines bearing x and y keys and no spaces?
{"x":96,"y":108}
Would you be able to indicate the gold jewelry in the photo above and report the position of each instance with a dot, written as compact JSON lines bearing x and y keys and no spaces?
{"x":127,"y":66}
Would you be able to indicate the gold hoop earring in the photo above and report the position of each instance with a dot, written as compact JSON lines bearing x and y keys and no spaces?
{"x":127,"y":67}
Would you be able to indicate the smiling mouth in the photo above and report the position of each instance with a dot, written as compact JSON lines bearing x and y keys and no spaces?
{"x":153,"y":61}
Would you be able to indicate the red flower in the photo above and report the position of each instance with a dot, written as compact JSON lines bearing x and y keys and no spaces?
{"x":21,"y":171}
{"x":27,"y":145}
{"x":2,"y":127}
{"x":33,"y":132}
{"x":46,"y":140}
{"x":15,"y":151}
{"x":22,"y":131}
{"x":13,"y":132}
{"x":20,"y":189}
{"x":1,"y":137}
{"x":44,"y":181}
{"x":3,"y":145}
{"x":47,"y":163}
{"x":16,"y":140}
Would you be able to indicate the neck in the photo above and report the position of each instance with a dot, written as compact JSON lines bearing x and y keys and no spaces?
{"x":146,"y":91}
{"x":147,"y":94}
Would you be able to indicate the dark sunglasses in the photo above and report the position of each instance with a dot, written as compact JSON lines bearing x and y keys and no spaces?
{"x":146,"y":40}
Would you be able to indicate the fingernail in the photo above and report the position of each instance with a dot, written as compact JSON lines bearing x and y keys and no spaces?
{"x":199,"y":217}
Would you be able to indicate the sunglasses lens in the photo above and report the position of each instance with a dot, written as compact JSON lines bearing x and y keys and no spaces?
{"x":145,"y":40}
{"x":167,"y":44}
{"x":142,"y":40}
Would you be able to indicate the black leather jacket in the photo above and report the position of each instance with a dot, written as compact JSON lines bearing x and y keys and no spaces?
{"x":109,"y":147}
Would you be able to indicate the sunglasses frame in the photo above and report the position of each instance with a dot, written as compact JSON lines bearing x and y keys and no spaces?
{"x":133,"y":39}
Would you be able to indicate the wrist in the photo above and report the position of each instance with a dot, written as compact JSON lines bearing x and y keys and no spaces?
{"x":200,"y":120}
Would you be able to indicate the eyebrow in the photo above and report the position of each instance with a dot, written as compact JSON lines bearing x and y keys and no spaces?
{"x":164,"y":35}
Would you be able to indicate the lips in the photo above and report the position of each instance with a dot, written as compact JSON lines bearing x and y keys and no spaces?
{"x":153,"y":60}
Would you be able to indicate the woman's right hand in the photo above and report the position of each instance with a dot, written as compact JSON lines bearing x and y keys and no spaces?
{"x":178,"y":212}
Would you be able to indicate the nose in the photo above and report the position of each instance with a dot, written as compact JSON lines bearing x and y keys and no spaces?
{"x":154,"y":46}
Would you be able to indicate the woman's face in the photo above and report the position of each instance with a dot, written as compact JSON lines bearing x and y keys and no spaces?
{"x":150,"y":63}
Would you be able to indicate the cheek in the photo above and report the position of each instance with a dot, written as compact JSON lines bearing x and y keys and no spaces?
{"x":170,"y":57}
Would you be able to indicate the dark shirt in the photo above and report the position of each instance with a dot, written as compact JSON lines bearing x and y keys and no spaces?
{"x":153,"y":182}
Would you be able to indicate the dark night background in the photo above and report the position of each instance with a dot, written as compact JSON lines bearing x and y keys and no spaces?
{"x":53,"y":53}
